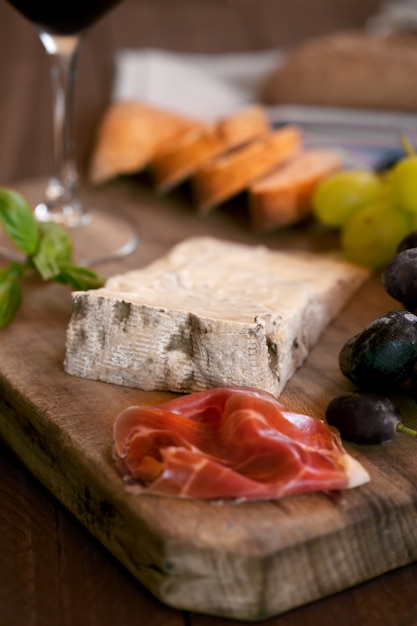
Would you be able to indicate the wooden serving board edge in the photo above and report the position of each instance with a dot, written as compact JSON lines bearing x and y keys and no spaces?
{"x":80,"y":487}
{"x":249,"y":562}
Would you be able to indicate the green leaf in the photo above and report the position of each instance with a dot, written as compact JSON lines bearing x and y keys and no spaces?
{"x":48,"y":249}
{"x":79,"y":278}
{"x":55,"y":241}
{"x":10,"y":296}
{"x":18,"y":221}
{"x":47,"y":266}
{"x":16,"y":269}
{"x":55,"y":246}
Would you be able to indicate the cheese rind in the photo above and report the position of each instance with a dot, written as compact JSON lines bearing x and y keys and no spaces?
{"x":210,"y":313}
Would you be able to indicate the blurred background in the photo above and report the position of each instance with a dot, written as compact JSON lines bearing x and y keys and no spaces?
{"x":207,"y":26}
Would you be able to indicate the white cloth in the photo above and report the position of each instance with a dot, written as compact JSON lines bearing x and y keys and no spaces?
{"x":204,"y":86}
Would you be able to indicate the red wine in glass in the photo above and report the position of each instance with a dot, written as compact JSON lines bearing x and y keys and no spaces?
{"x":63,"y":17}
{"x":62,"y":26}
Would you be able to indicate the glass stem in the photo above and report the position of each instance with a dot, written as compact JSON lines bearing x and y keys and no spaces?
{"x":62,"y":203}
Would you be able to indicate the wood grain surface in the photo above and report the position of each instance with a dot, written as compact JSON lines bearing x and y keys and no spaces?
{"x":248,"y":561}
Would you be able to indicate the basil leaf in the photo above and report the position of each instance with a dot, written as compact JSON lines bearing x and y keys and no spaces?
{"x":18,"y":221}
{"x":16,"y":270}
{"x":78,"y":277}
{"x":47,"y":266}
{"x":10,"y":296}
{"x":48,"y":249}
{"x":54,"y":247}
{"x":55,"y":241}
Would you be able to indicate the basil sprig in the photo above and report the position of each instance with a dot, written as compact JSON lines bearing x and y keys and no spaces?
{"x":46,"y":248}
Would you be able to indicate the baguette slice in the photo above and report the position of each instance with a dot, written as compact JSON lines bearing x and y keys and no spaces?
{"x":180,"y":159}
{"x":129,"y":136}
{"x":284,"y":196}
{"x":223,"y":177}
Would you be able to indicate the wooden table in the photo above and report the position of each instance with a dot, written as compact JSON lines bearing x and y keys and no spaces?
{"x":51,"y":569}
{"x":52,"y":572}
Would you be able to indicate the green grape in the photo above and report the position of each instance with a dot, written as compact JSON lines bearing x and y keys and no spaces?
{"x":403,"y":181}
{"x":371,"y":236}
{"x":413,"y":221}
{"x":341,"y":195}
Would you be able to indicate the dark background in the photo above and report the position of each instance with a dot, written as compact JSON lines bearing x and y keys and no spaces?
{"x":186,"y":25}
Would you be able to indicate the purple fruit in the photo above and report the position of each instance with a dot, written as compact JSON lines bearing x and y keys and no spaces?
{"x":367,"y":418}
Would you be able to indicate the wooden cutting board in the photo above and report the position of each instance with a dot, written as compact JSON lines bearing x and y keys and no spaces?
{"x":246,"y":561}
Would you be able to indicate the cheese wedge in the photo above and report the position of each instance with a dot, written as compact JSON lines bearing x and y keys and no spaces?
{"x":210,"y":313}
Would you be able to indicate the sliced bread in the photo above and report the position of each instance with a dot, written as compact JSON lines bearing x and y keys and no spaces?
{"x":284,"y":196}
{"x":179,"y":159}
{"x":233,"y":172}
{"x":129,"y":136}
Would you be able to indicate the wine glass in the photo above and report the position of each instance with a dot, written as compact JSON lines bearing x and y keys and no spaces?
{"x":62,"y":26}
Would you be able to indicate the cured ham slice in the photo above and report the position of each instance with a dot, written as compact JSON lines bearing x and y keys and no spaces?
{"x":230,"y":442}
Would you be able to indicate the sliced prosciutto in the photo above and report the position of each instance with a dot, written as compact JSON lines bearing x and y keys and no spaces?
{"x":230,"y":442}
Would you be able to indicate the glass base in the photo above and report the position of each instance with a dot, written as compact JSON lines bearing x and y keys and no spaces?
{"x":104,"y":237}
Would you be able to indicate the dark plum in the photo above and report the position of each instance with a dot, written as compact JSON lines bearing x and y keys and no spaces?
{"x":364,"y":417}
{"x":383,"y":354}
{"x":413,"y":383}
{"x":410,"y":241}
{"x":399,"y":278}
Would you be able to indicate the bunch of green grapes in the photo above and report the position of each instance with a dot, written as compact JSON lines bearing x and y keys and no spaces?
{"x":374,"y":212}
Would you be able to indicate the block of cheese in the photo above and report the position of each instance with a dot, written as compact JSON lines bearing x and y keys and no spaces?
{"x":210,"y":313}
{"x":182,"y":157}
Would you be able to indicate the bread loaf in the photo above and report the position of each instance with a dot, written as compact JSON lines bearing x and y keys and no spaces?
{"x":352,"y":69}
{"x":180,"y":158}
{"x":284,"y":196}
{"x":231,"y":173}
